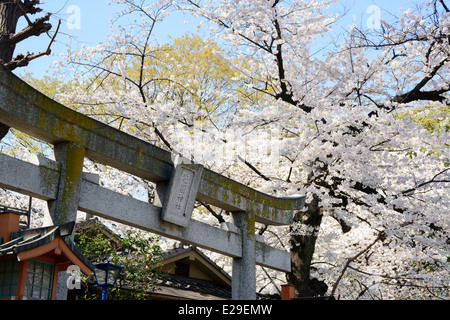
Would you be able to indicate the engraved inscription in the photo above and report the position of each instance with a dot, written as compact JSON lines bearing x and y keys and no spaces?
{"x":182,"y":192}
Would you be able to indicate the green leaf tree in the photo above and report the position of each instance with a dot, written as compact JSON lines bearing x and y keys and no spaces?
{"x":138,"y":253}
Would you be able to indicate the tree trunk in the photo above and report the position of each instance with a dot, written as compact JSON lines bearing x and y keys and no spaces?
{"x":302,"y":251}
{"x":4,"y":129}
{"x":9,"y":16}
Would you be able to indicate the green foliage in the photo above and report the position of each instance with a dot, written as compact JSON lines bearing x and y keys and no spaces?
{"x":434,"y":120}
{"x":138,"y":254}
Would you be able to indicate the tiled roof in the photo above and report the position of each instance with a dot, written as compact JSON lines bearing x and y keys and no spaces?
{"x":33,"y":238}
{"x":195,"y":285}
{"x":195,"y":289}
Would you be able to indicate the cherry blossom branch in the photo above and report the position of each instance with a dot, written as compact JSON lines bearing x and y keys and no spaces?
{"x":444,"y":5}
{"x":253,"y":168}
{"x":285,"y":93}
{"x":218,"y":216}
{"x":423,"y":184}
{"x":271,"y":281}
{"x":381,"y":235}
{"x":416,"y":93}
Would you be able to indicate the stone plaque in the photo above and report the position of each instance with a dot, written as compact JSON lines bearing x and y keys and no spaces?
{"x":180,"y":198}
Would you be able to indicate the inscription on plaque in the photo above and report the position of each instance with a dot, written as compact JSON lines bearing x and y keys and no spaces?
{"x":180,"y":198}
{"x":182,"y":192}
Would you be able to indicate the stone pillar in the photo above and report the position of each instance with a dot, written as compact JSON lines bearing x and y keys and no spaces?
{"x":244,"y":268}
{"x":64,"y":208}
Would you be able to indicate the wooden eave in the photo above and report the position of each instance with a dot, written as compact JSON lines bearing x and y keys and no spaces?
{"x":59,"y":249}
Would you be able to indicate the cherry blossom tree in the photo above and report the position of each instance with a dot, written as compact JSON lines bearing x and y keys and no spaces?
{"x":350,"y":143}
{"x":360,"y":128}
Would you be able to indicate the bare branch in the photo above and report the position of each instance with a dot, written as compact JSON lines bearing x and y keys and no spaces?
{"x":19,"y":5}
{"x":248,"y":164}
{"x":218,"y":216}
{"x":37,"y":28}
{"x":23,"y":60}
{"x":444,"y":5}
{"x":30,"y":6}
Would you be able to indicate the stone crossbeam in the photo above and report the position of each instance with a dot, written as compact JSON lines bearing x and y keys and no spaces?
{"x":40,"y":179}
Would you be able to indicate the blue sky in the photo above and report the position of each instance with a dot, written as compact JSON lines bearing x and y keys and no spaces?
{"x":93,"y":24}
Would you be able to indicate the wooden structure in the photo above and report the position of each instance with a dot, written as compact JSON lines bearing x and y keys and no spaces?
{"x":188,"y":274}
{"x":31,"y":260}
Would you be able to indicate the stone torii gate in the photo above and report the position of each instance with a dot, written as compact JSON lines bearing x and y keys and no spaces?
{"x":67,"y":189}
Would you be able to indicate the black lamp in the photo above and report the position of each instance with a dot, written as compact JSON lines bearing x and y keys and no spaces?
{"x":106,"y":276}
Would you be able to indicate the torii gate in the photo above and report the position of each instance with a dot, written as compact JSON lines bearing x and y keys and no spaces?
{"x":67,"y":189}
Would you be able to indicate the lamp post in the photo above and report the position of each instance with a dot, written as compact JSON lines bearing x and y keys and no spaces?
{"x":106,"y":275}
